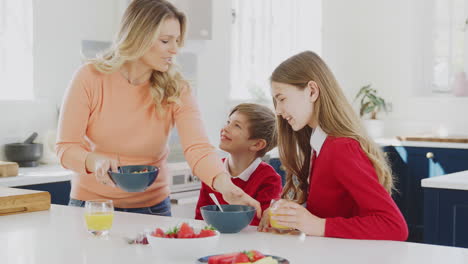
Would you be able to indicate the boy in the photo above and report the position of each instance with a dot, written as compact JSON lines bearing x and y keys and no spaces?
{"x":249,"y":133}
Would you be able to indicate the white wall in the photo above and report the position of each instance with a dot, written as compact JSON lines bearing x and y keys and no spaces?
{"x":59,"y":26}
{"x":213,"y":81}
{"x":376,"y":41}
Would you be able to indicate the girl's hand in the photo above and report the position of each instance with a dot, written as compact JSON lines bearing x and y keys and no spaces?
{"x":100,"y":165}
{"x":294,"y":215}
{"x":233,"y":194}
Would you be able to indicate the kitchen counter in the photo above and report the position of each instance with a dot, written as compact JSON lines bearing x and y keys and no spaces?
{"x":59,"y":236}
{"x":37,"y":175}
{"x":395,"y":142}
{"x":454,"y":181}
{"x":55,"y":173}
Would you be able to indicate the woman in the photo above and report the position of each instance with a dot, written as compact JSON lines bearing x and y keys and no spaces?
{"x":338,"y":171}
{"x":119,"y":110}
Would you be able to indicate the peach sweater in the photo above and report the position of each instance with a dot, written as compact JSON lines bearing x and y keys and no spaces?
{"x":102,"y":113}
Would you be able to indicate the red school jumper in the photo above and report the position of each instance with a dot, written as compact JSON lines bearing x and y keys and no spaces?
{"x":263,"y":185}
{"x":344,"y":189}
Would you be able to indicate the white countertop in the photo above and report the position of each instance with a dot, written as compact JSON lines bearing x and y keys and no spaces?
{"x":43,"y":174}
{"x":37,"y":175}
{"x":425,"y":144}
{"x":454,"y":181}
{"x":58,"y":236}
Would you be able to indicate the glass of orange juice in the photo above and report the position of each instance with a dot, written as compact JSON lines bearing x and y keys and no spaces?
{"x":273,"y":223}
{"x":99,"y":215}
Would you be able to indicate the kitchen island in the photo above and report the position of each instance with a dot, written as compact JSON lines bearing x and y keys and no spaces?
{"x":58,"y":236}
{"x":446,"y":209}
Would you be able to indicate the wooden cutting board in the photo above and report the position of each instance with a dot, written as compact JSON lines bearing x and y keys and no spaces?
{"x":14,"y":201}
{"x":8,"y":169}
{"x":451,"y":139}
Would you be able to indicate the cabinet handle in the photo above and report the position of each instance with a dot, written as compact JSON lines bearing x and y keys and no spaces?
{"x":429,"y":155}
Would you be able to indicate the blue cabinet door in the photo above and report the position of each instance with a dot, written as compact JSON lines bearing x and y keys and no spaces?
{"x":59,"y":191}
{"x":446,"y":217}
{"x":412,"y":164}
{"x":276,"y":164}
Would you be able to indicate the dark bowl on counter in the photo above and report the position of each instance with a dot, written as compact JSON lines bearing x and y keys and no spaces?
{"x":132,"y":179}
{"x":234,"y":218}
{"x":26,"y":155}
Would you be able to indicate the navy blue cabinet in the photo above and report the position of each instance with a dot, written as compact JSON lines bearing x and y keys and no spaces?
{"x":412,"y":164}
{"x":59,"y":191}
{"x":276,"y":164}
{"x":446,"y":217}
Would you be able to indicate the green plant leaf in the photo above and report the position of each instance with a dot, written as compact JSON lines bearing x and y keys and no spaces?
{"x":369,"y":108}
{"x":362,"y":91}
{"x":363,"y":107}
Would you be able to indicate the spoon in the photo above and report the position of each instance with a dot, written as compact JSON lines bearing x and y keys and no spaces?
{"x":213,"y":197}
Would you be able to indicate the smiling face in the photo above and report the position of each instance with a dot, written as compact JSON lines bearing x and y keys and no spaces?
{"x":159,"y":57}
{"x":235,"y":135}
{"x":295,"y":105}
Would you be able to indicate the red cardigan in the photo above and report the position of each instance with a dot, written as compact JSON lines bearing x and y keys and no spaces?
{"x":345,"y":190}
{"x":263,"y":185}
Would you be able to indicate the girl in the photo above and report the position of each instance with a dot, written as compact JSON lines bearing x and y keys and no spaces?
{"x":120,"y":108}
{"x":331,"y":162}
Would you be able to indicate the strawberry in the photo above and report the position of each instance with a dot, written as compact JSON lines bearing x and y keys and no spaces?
{"x":185,"y":231}
{"x":241,"y":258}
{"x":207,"y":233}
{"x":172,"y":233}
{"x":158,"y":232}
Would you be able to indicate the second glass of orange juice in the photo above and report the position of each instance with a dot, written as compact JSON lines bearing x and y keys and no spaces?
{"x":99,"y":215}
{"x":274,"y":223}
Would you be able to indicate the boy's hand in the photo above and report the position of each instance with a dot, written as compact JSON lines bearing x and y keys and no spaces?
{"x":233,"y":194}
{"x":264,"y":225}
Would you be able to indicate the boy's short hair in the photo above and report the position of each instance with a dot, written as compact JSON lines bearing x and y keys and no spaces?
{"x":262,"y":124}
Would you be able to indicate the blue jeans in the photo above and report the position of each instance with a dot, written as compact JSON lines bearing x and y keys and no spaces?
{"x":163,"y":208}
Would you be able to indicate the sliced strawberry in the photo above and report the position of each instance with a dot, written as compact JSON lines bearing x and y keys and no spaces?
{"x":241,"y":258}
{"x":225,"y":257}
{"x":255,"y":255}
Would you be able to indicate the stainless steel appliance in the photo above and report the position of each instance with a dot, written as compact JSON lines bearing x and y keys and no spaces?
{"x":185,"y":189}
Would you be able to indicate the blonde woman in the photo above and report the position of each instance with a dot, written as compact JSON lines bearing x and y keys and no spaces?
{"x":332,"y":165}
{"x":120,"y":108}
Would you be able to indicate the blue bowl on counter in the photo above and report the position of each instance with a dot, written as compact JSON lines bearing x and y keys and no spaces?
{"x":134,"y":178}
{"x":234,"y":218}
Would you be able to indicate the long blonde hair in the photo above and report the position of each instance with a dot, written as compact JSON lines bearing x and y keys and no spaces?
{"x":335,"y":116}
{"x":139,"y":29}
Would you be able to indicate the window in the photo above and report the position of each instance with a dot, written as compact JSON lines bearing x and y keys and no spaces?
{"x":443,"y":26}
{"x":266,"y":32}
{"x":449,"y":43}
{"x":16,"y":50}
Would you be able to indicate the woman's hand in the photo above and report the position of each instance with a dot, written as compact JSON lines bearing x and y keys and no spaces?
{"x":100,"y":165}
{"x":233,"y":194}
{"x":296,"y":216}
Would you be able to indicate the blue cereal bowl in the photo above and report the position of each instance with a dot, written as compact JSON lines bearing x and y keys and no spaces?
{"x":134,"y":178}
{"x":234,"y":218}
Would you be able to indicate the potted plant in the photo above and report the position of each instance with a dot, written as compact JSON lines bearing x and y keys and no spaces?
{"x":370,"y":105}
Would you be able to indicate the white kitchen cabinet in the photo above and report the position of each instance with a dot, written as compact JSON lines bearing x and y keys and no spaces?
{"x":183,"y":204}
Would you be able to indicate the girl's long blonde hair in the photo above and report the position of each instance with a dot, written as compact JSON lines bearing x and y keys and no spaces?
{"x":139,"y":29}
{"x":335,"y":116}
